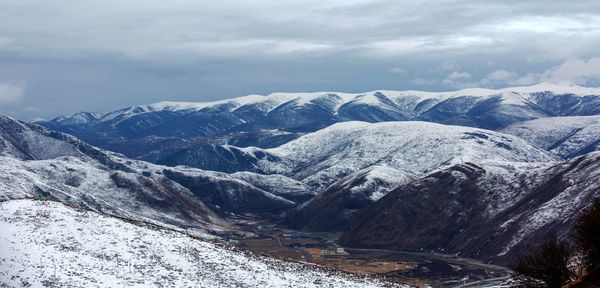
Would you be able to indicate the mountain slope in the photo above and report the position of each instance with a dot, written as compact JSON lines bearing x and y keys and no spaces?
{"x":370,"y":159}
{"x":490,"y":213}
{"x":318,"y":159}
{"x":307,"y":112}
{"x":51,"y":245}
{"x":565,"y":137}
{"x":335,"y":208}
{"x":36,"y":161}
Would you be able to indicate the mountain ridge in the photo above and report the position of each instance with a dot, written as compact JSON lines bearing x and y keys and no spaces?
{"x":175,"y":123}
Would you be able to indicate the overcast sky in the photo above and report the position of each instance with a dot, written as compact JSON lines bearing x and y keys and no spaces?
{"x":59,"y":56}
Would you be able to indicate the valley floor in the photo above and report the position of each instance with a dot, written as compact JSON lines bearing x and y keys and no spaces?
{"x":420,"y":269}
{"x":48,"y":244}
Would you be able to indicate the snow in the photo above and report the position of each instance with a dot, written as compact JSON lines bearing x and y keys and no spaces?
{"x":511,"y":96}
{"x":517,"y":179}
{"x":83,"y":118}
{"x":513,"y":99}
{"x":275,"y":187}
{"x":368,"y":99}
{"x":583,"y":186}
{"x":556,"y":89}
{"x":277,"y":184}
{"x":23,"y":143}
{"x":90,"y":184}
{"x":414,"y":147}
{"x":48,"y":244}
{"x":379,"y":180}
{"x":176,"y":106}
{"x":43,"y":147}
{"x":562,"y":136}
{"x":79,"y":118}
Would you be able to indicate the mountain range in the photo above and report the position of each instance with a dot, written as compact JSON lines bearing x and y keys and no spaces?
{"x":477,"y":172}
{"x":167,"y":130}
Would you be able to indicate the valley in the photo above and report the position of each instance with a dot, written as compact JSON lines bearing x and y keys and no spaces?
{"x":402,"y":267}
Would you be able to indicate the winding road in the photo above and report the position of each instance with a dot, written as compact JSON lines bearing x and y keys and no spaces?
{"x":491,"y":282}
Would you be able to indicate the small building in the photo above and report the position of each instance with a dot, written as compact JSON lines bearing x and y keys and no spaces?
{"x":333,"y":251}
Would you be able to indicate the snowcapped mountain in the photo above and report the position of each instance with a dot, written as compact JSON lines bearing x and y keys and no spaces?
{"x":565,"y":137}
{"x":172,"y":122}
{"x":36,"y":161}
{"x":490,"y":213}
{"x":321,"y":158}
{"x":371,"y":159}
{"x":81,"y":118}
{"x":74,"y":124}
{"x":47,"y":244}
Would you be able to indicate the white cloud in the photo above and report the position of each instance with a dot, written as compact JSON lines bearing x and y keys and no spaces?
{"x":586,"y":24}
{"x":398,"y":70}
{"x":457,"y":75}
{"x":11,"y":93}
{"x":458,"y":79}
{"x":425,"y":44}
{"x":575,"y":71}
{"x":503,"y":77}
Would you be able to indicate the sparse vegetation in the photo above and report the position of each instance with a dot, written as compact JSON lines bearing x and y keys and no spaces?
{"x":545,"y":266}
{"x":587,"y":237}
{"x":556,"y":264}
{"x":45,"y":198}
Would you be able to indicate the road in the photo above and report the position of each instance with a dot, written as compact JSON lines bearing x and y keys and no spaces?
{"x":492,"y":282}
{"x":444,"y":257}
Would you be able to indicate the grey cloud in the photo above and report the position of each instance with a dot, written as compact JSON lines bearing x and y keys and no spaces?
{"x":89,"y":55}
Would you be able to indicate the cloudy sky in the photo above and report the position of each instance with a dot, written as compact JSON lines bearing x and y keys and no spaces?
{"x":60,"y":56}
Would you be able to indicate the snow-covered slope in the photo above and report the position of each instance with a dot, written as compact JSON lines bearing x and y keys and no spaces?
{"x":325,"y":156}
{"x":83,"y":182}
{"x":19,"y":141}
{"x":565,"y":137}
{"x":357,"y":163}
{"x":47,"y":244}
{"x":242,"y":192}
{"x":36,"y":161}
{"x":492,"y":212}
{"x":336,"y":208}
{"x":81,"y":118}
{"x":307,"y":112}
